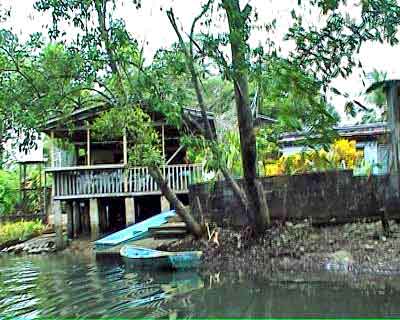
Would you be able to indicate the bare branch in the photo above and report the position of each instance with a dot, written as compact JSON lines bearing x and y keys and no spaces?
{"x":206,"y":7}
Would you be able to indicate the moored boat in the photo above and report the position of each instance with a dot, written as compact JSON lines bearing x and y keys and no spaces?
{"x":161,"y":259}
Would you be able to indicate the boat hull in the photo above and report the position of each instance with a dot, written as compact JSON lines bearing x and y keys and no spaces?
{"x":148,"y":258}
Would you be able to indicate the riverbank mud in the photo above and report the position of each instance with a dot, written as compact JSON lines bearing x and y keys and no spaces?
{"x":359,"y":247}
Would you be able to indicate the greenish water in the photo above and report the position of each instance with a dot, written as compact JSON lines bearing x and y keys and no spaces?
{"x":70,"y":286}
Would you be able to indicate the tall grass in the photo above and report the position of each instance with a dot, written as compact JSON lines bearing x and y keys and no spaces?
{"x":20,"y":231}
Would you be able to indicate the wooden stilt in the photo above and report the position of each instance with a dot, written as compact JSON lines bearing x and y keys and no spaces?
{"x":94,"y":218}
{"x":56,"y":207}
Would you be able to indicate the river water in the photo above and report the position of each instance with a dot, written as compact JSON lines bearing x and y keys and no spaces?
{"x":71,"y":286}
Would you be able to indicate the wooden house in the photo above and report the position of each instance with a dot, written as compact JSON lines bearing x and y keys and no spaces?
{"x":93,"y":183}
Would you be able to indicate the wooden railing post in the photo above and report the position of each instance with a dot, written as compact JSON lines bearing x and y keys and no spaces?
{"x":88,"y":146}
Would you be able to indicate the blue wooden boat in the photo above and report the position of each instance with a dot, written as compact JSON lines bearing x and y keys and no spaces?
{"x":135,"y":232}
{"x":144,"y":257}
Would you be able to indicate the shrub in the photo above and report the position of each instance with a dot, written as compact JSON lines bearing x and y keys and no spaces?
{"x":20,"y":231}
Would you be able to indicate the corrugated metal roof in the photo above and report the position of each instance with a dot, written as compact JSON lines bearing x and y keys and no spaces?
{"x":369,"y":129}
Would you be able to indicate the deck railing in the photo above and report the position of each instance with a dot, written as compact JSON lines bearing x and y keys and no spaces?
{"x":117,"y":180}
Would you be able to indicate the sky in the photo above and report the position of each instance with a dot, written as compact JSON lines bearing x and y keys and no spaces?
{"x":151,"y":27}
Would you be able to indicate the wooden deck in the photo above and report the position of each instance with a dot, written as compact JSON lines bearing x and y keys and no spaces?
{"x":119,"y":181}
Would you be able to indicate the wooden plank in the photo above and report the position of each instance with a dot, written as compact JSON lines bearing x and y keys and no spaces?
{"x":181,"y":177}
{"x":113,"y":183}
{"x":112,"y":194}
{"x":174,"y":155}
{"x":88,"y":183}
{"x":134,"y":180}
{"x":103,"y":182}
{"x":69,"y":184}
{"x":125,"y":148}
{"x":121,"y":181}
{"x":168,"y":232}
{"x":88,"y":160}
{"x":72,"y":176}
{"x":62,"y":184}
{"x":146,"y":179}
{"x":129,"y":181}
{"x":78,"y":184}
{"x":170,"y":225}
{"x":87,"y":168}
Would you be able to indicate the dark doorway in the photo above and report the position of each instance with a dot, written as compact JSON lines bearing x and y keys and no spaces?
{"x":146,"y":207}
{"x":112,"y":214}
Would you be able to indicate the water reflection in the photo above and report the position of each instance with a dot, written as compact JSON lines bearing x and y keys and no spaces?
{"x":67,"y":286}
{"x":72,"y":286}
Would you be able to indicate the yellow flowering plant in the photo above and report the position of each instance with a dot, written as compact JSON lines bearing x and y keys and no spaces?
{"x":342,"y":154}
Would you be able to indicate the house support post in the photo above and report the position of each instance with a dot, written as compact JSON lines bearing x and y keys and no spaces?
{"x":129,"y":211}
{"x":94,"y":218}
{"x":165,"y":205}
{"x":76,"y":218}
{"x":56,"y":208}
{"x":70,"y":220}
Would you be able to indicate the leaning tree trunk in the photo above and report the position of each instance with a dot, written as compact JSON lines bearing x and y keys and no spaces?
{"x":206,"y":131}
{"x":192,"y":225}
{"x":181,"y":210}
{"x":238,"y":35}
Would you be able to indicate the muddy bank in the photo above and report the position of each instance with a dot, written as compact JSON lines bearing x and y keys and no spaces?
{"x":356,"y":247}
{"x":41,"y":244}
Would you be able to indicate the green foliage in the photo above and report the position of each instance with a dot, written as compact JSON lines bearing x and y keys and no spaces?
{"x":166,"y":86}
{"x":146,"y":149}
{"x":199,"y":151}
{"x":294,"y":98}
{"x":104,"y":65}
{"x":38,"y":82}
{"x":9,"y":195}
{"x":377,"y":98}
{"x":10,"y":199}
{"x":33,"y":201}
{"x":331,"y":50}
{"x":20,"y":231}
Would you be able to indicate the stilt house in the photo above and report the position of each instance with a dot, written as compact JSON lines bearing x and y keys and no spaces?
{"x":93,"y":183}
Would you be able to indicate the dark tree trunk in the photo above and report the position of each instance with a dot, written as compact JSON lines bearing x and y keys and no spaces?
{"x":394,"y":127}
{"x":238,"y":34}
{"x":181,"y":210}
